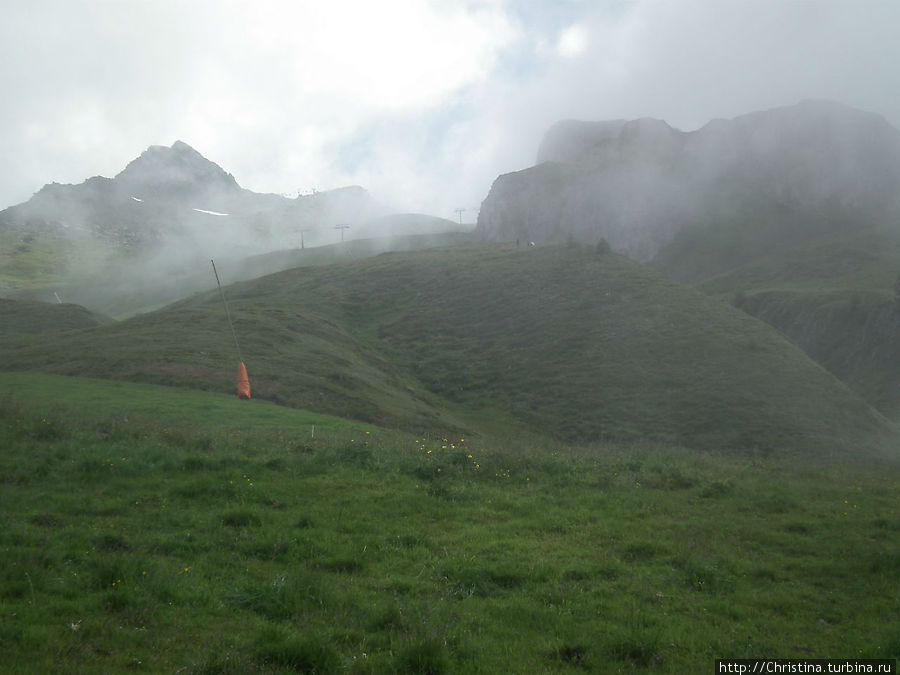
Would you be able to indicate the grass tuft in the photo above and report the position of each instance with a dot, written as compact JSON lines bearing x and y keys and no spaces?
{"x":428,"y":657}
{"x":314,"y":656}
{"x":240,"y":518}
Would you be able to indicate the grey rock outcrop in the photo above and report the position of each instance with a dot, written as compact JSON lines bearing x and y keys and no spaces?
{"x":638,"y":183}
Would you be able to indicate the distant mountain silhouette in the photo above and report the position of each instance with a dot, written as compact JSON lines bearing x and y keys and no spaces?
{"x":166,"y":171}
{"x":174,"y":199}
{"x":145,"y":236}
{"x":638,"y":183}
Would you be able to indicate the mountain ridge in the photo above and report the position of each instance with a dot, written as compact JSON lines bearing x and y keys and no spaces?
{"x":639,"y":183}
{"x":161,"y":167}
{"x":160,"y":194}
{"x":166,"y":213}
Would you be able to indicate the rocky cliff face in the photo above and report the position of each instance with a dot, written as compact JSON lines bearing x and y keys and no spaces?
{"x":638,"y":183}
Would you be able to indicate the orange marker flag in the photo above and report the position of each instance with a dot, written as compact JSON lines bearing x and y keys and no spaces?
{"x":243,"y":390}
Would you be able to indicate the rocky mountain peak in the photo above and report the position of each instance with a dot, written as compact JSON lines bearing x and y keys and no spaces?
{"x":177,"y":168}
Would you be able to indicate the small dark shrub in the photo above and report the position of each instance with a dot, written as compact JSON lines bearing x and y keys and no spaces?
{"x":797,"y":528}
{"x":388,"y":619}
{"x":572,"y":654}
{"x":887,"y":561}
{"x":303,"y":656}
{"x":45,"y":520}
{"x":240,"y":519}
{"x":228,"y":664}
{"x":358,"y":454}
{"x":717,"y":488}
{"x":408,"y":541}
{"x":346,"y":565}
{"x":425,"y":658}
{"x":641,"y":550}
{"x":481,"y":582}
{"x":440,"y":490}
{"x":111,"y":542}
{"x":641,"y":652}
{"x":196,"y":464}
{"x":11,"y":634}
{"x":272,"y":601}
{"x":118,"y":600}
{"x":277,"y":549}
{"x":106,"y":573}
{"x":777,"y":503}
{"x":276,"y":464}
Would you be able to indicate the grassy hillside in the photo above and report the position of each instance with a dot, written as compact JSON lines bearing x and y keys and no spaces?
{"x":29,"y":262}
{"x":834,"y":296}
{"x":201,"y":534}
{"x":763,"y":242}
{"x":863,"y":260}
{"x":561,"y":341}
{"x":24,"y":319}
{"x":854,"y":334}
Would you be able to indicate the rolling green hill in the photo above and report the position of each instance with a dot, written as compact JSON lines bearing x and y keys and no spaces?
{"x":754,"y":253}
{"x":560,"y":341}
{"x":832,"y":294}
{"x":24,"y":319}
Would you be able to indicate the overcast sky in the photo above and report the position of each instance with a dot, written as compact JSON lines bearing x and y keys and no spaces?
{"x":423,"y":103}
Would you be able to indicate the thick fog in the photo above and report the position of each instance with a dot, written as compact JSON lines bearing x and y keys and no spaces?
{"x":422,"y":103}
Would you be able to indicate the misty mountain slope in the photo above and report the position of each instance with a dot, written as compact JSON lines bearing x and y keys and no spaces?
{"x":144,"y":238}
{"x":22,"y":319}
{"x":853,"y":334}
{"x":167,"y":209}
{"x":834,"y":297}
{"x":793,"y":213}
{"x":857,"y":259}
{"x":797,"y":172}
{"x":122,"y":291}
{"x":561,"y":341}
{"x":783,"y":246}
{"x":173,"y":196}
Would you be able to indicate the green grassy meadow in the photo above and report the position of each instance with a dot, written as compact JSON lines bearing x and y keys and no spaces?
{"x":153,"y":529}
{"x":559,"y":341}
{"x":827,"y":283}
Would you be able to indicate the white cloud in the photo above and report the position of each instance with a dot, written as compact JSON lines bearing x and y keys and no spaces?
{"x":423,"y":102}
{"x":572,"y":41}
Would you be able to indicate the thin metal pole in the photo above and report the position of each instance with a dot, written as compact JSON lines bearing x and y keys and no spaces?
{"x":227,"y":313}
